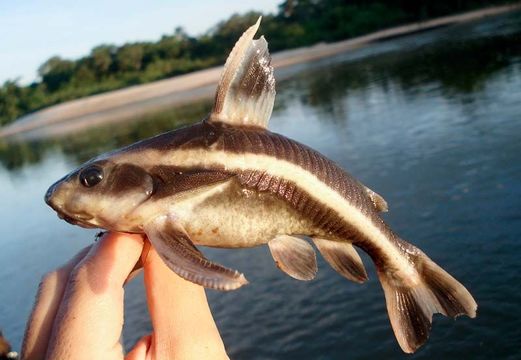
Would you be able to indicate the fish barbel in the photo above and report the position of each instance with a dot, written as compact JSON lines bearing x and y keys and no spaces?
{"x":228,"y":182}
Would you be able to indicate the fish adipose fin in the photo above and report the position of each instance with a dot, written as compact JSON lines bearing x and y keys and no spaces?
{"x":342,"y":257}
{"x":174,"y":246}
{"x":378,"y":201}
{"x":246,"y":92}
{"x":412,"y":302}
{"x":294,"y":256}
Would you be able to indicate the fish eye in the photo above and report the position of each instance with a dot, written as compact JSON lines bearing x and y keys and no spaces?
{"x":91,"y":176}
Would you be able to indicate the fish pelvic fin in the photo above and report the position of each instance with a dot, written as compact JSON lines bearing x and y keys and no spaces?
{"x":412,"y":302}
{"x":342,"y":257}
{"x":246,"y":91}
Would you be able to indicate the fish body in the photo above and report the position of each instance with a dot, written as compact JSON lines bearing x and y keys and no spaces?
{"x":229,"y":182}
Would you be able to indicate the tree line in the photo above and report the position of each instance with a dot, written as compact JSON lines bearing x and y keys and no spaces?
{"x":296,"y":23}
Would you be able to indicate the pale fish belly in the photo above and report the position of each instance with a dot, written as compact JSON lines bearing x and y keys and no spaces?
{"x":228,"y":216}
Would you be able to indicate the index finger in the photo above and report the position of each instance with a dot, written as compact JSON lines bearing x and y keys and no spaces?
{"x":183,"y":324}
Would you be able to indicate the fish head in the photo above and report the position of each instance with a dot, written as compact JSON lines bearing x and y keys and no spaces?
{"x":102,"y":193}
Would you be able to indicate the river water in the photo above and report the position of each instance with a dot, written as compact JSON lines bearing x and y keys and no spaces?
{"x":431,"y":121}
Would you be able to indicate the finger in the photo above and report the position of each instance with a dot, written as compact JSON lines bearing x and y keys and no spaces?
{"x":138,"y":268}
{"x":90,"y":318}
{"x":48,"y":298}
{"x":183,"y":324}
{"x":140,"y":350}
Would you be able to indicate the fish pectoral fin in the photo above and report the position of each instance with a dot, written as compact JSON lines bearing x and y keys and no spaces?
{"x":246,"y":91}
{"x":378,"y":201}
{"x":294,"y":256}
{"x":176,"y":249}
{"x":342,"y":257}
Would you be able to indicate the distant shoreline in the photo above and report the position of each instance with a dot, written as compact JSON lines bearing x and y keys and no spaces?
{"x":134,"y":101}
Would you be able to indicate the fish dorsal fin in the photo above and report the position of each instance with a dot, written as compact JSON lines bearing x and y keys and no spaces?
{"x":294,"y":256}
{"x":246,"y":92}
{"x":378,"y":201}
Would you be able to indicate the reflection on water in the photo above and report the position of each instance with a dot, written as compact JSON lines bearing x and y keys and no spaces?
{"x":430,"y":121}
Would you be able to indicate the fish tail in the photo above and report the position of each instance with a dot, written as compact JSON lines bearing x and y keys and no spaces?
{"x":411,"y":301}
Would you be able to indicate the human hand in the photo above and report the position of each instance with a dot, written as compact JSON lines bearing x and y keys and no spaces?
{"x":79,"y":308}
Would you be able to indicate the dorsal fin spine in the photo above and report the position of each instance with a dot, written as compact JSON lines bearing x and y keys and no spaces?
{"x":232,"y":62}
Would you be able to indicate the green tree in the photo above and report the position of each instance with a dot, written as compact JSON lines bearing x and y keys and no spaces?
{"x":101,"y":59}
{"x":83,"y":74}
{"x":129,"y":57}
{"x":10,"y":94}
{"x":55,"y":72}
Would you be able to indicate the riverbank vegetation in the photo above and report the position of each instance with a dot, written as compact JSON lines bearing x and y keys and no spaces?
{"x":296,"y":23}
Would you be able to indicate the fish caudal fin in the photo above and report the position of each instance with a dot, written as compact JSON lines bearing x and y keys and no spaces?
{"x":411,"y":304}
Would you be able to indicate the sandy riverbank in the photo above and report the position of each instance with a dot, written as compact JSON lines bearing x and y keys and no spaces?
{"x":138,"y":100}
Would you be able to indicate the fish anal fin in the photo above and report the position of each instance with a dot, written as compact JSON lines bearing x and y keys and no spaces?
{"x":342,"y":257}
{"x":428,"y":290}
{"x":294,"y":256}
{"x":175,"y":248}
{"x":246,"y":91}
{"x":378,"y":201}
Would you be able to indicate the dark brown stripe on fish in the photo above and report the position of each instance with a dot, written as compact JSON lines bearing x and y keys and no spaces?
{"x":170,"y":180}
{"x":199,"y":135}
{"x":128,"y":177}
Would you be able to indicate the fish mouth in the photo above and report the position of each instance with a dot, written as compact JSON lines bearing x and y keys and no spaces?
{"x":80,"y":220}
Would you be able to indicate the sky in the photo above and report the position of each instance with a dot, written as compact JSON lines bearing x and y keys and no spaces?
{"x":31,"y":31}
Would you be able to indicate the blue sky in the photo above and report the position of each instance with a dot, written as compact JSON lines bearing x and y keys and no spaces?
{"x":31,"y":31}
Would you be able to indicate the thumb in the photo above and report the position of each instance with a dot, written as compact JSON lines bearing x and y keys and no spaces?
{"x":89,"y":320}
